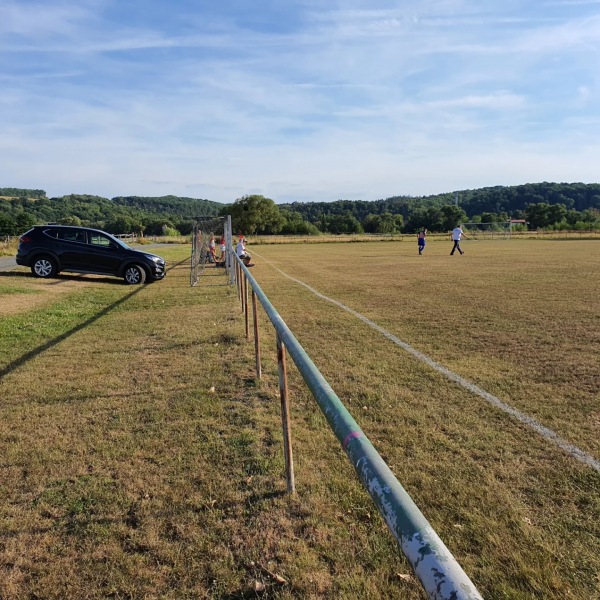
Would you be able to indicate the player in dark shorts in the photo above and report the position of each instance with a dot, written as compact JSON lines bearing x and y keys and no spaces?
{"x":421,"y":240}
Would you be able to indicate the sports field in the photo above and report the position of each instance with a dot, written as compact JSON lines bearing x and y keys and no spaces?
{"x":142,"y":459}
{"x":518,"y":318}
{"x":521,"y":321}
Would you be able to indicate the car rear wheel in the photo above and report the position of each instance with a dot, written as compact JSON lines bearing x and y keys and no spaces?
{"x":134,"y":274}
{"x":44,"y":266}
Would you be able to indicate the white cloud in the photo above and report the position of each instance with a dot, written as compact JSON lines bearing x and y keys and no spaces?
{"x":368,"y":100}
{"x":41,"y":19}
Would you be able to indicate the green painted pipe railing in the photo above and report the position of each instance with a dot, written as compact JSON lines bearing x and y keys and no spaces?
{"x":438,"y":571}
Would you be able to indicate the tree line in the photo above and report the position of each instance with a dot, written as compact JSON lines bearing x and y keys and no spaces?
{"x":560,"y":206}
{"x":541,"y":205}
{"x":166,"y":215}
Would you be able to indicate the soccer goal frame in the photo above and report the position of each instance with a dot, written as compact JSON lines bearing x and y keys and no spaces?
{"x":204,"y":229}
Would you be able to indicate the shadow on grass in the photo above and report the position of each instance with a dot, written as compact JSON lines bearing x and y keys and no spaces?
{"x":210,"y":271}
{"x":244,"y":595}
{"x":61,"y":277}
{"x":51,"y":343}
{"x":257,"y":498}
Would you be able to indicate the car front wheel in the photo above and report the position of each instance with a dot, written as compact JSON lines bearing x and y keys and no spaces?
{"x":44,"y":266}
{"x":134,"y":274}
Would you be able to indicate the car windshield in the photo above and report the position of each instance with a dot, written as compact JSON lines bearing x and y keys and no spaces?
{"x":118,"y":241}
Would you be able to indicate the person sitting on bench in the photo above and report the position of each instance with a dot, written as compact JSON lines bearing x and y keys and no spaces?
{"x":240,"y":250}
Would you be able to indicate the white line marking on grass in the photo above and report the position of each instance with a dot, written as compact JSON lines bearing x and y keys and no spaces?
{"x":574,"y":451}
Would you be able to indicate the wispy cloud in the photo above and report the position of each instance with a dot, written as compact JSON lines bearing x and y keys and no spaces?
{"x":297,"y":101}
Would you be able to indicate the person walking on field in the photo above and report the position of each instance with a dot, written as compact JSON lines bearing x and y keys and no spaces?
{"x":421,"y":240}
{"x":457,"y":234}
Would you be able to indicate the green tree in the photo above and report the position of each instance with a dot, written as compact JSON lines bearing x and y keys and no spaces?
{"x":185,"y":227}
{"x":7,"y":225}
{"x":345,"y":223}
{"x":418,"y":219}
{"x":157,"y":227}
{"x":557,"y":213}
{"x":451,"y":216}
{"x":254,"y":214}
{"x":370,"y":223}
{"x":296,"y":225}
{"x":322,"y":222}
{"x":573,"y":216}
{"x":71,"y":220}
{"x":537,"y":215}
{"x":20,"y":192}
{"x":384,"y":223}
{"x":489,"y":217}
{"x":24,"y":221}
{"x":591,"y":215}
{"x":123,"y":224}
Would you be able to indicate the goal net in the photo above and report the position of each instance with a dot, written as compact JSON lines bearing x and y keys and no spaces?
{"x":208,"y":236}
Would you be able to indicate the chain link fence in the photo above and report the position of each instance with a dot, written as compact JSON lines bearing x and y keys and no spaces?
{"x":209,"y":245}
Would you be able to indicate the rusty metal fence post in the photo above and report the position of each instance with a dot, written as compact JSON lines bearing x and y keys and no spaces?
{"x":285,"y":416}
{"x":238,"y":279}
{"x":256,"y":336}
{"x":246,"y":315}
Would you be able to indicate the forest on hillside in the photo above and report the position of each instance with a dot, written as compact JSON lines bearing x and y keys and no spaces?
{"x":542,"y":205}
{"x":166,"y":215}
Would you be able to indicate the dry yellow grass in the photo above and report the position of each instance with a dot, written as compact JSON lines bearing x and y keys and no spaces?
{"x":8,"y":248}
{"x":125,"y":476}
{"x":518,"y":318}
{"x":410,"y":237}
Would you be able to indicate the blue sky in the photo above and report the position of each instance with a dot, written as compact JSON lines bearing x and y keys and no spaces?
{"x":298,"y":100}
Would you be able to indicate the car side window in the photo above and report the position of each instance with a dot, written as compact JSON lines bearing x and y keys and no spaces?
{"x":100,"y":240}
{"x":71,"y":235}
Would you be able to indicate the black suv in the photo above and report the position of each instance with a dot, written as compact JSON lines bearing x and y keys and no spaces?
{"x":49,"y":249}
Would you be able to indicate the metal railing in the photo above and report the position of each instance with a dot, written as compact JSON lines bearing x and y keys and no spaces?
{"x":438,"y":571}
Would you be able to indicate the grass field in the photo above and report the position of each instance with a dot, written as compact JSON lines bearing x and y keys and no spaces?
{"x":142,"y":460}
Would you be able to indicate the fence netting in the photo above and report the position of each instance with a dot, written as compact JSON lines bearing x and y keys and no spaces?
{"x":209,"y":236}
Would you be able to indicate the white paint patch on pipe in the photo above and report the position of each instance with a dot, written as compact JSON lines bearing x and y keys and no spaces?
{"x":550,"y":435}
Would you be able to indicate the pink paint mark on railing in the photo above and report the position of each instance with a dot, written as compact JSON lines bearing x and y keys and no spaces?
{"x":352,"y":435}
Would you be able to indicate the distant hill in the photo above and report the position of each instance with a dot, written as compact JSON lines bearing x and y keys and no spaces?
{"x":171,"y":205}
{"x":498,"y":199}
{"x":542,"y":205}
{"x":20,"y":209}
{"x":21,"y":193}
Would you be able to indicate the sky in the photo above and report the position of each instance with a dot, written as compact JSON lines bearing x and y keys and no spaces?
{"x":297,"y":100}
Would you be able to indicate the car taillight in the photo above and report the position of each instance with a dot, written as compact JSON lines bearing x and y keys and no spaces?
{"x":24,"y":238}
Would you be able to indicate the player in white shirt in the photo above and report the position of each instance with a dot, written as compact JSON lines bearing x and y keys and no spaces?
{"x":457,"y":234}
